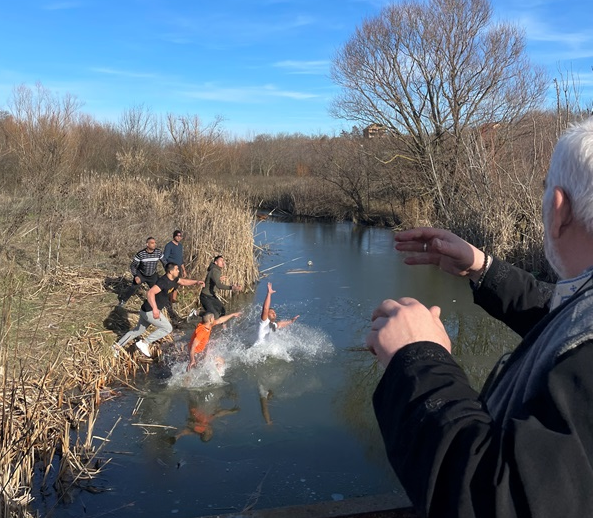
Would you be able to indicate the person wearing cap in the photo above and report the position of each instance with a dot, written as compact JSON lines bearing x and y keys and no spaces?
{"x":209,"y":297}
{"x":173,"y":253}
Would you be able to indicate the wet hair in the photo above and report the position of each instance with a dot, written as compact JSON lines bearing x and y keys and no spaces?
{"x":208,"y":317}
{"x":169,"y":267}
{"x":176,"y":233}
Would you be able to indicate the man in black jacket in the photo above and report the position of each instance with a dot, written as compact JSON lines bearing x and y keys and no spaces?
{"x":209,"y":297}
{"x":524,"y":446}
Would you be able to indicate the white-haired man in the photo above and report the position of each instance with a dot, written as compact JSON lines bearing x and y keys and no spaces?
{"x":524,"y":446}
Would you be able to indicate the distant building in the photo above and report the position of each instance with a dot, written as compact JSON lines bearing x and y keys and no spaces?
{"x":374,"y":130}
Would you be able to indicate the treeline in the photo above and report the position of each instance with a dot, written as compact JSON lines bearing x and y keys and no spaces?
{"x":486,"y":185}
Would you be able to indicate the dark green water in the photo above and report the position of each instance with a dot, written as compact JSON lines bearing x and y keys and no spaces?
{"x":322,"y":443}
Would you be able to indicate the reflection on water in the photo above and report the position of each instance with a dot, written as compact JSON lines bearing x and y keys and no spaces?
{"x":290,"y":421}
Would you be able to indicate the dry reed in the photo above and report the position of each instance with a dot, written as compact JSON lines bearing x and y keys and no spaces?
{"x":56,"y":362}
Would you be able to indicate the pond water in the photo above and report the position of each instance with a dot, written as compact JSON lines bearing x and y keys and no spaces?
{"x":290,"y":422}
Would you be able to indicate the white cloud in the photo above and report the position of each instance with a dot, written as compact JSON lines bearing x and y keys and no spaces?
{"x":537,"y":30}
{"x":303,"y":67}
{"x":250,"y":94}
{"x":122,"y":73}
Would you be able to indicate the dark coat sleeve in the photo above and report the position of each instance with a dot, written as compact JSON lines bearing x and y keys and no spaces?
{"x":514,"y":296}
{"x":454,"y":461}
{"x":215,"y":276}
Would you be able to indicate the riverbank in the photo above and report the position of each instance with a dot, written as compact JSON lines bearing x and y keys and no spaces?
{"x":66,"y":254}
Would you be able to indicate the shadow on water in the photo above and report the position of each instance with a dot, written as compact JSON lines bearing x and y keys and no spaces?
{"x":287,"y":422}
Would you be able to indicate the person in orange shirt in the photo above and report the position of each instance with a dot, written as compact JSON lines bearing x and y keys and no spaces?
{"x":201,"y":336}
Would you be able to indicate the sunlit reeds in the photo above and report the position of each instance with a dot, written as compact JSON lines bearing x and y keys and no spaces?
{"x":56,"y":361}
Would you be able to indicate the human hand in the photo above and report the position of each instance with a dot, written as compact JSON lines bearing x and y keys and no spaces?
{"x":137,"y":280}
{"x":442,"y":248}
{"x":202,"y":284}
{"x":156,"y":314}
{"x":293,"y":319}
{"x":270,"y":290}
{"x":191,"y":365}
{"x":237,"y":287}
{"x":396,"y":324}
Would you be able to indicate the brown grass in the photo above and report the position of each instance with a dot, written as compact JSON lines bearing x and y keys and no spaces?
{"x":63,"y":271}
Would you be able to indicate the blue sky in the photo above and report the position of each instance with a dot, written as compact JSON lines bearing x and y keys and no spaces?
{"x":260,"y":65}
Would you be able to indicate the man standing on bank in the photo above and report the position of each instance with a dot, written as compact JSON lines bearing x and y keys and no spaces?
{"x":209,"y":296}
{"x":174,"y":254}
{"x":144,"y":268}
{"x":524,"y":446}
{"x":150,"y":313}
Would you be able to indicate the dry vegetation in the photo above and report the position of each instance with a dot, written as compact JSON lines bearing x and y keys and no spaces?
{"x":79,"y":198}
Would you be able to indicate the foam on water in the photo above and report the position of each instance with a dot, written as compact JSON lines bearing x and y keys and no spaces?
{"x":235,"y":345}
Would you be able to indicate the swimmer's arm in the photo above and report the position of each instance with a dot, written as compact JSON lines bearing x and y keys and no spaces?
{"x":285,"y":323}
{"x":226,"y":318}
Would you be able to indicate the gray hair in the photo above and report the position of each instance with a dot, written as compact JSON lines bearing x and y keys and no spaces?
{"x":571,"y":168}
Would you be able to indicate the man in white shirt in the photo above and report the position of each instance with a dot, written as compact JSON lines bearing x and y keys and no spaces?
{"x":268,"y":323}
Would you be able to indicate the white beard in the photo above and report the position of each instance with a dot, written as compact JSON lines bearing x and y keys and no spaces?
{"x":553,"y":258}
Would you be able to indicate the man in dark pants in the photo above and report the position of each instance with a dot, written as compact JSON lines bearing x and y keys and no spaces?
{"x":144,"y":268}
{"x":209,"y":297}
{"x":174,"y":254}
{"x":524,"y":446}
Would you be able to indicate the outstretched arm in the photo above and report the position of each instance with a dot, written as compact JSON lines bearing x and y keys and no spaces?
{"x":266,"y":306}
{"x":226,"y":318}
{"x":443,"y":249}
{"x":190,"y":282}
{"x":285,"y":323}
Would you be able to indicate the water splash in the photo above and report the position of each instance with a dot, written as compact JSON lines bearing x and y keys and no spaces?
{"x":235,"y":345}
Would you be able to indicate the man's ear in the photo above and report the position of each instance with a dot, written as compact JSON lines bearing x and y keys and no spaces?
{"x":561,"y":213}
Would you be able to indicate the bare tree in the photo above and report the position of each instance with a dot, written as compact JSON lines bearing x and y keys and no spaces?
{"x":347,"y":164}
{"x":427,"y":72}
{"x":42,"y":138}
{"x":42,"y":135}
{"x":195,"y":147}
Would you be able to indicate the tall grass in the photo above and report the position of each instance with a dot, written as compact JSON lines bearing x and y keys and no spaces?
{"x":48,"y":408}
{"x":61,"y":259}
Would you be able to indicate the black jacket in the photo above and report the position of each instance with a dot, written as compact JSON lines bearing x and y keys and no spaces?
{"x":454,"y":459}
